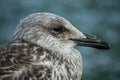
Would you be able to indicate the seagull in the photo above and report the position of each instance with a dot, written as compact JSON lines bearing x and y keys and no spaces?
{"x":42,"y":48}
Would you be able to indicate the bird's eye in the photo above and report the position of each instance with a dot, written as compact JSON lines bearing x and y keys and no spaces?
{"x":57,"y":29}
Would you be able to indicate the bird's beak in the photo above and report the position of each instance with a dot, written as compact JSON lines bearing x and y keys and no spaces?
{"x":91,"y":41}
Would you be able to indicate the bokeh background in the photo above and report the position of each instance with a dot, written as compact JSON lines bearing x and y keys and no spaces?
{"x":99,"y":17}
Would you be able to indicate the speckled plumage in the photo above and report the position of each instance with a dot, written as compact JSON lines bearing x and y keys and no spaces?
{"x":22,"y":60}
{"x":42,"y":48}
{"x":38,"y":53}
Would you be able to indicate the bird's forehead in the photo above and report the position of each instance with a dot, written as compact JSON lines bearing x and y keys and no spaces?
{"x":45,"y":18}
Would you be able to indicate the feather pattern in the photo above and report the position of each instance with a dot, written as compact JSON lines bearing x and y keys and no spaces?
{"x":37,"y":52}
{"x":22,"y":60}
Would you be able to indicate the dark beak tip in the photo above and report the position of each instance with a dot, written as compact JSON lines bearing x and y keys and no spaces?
{"x":103,"y":45}
{"x":92,"y":41}
{"x":106,"y":46}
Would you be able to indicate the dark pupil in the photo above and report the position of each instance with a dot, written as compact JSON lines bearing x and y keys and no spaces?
{"x":57,"y":29}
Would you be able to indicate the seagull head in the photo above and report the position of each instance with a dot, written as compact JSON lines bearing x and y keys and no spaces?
{"x":55,"y":32}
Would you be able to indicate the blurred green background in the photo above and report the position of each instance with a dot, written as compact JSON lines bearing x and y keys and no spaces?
{"x":99,"y":17}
